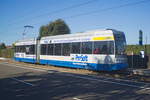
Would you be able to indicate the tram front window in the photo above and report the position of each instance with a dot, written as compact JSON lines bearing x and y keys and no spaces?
{"x":120,"y":43}
{"x":120,"y":48}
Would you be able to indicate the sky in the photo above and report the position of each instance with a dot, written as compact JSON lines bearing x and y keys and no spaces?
{"x":128,"y":16}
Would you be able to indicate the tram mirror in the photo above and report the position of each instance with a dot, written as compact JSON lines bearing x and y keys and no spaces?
{"x":142,"y":54}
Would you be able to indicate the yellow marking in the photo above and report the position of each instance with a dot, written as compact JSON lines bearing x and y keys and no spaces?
{"x":103,"y":38}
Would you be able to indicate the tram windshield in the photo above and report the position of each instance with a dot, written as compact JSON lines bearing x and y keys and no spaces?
{"x":120,"y":44}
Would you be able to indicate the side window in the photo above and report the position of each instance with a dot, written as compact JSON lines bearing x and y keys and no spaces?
{"x":16,"y":48}
{"x":97,"y":48}
{"x":110,"y":47}
{"x":27,"y":49}
{"x":120,"y":42}
{"x":20,"y":49}
{"x":76,"y":47}
{"x":32,"y":49}
{"x":50,"y":49}
{"x":57,"y":49}
{"x":24,"y":48}
{"x":86,"y":48}
{"x":103,"y":47}
{"x":43,"y":49}
{"x":66,"y":49}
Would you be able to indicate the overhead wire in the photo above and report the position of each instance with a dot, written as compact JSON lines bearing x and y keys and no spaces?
{"x":109,"y":8}
{"x":58,"y":11}
{"x":55,"y":11}
{"x":102,"y":10}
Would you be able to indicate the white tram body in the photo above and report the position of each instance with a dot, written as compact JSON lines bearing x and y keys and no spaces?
{"x":25,"y":50}
{"x":100,"y":50}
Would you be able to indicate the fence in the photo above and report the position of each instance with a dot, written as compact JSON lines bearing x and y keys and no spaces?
{"x":136,"y":61}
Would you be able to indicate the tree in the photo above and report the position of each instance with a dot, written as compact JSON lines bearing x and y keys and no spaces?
{"x":2,"y":46}
{"x":58,"y":27}
{"x":43,"y":31}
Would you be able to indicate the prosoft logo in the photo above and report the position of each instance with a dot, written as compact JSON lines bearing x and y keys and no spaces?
{"x":81,"y":58}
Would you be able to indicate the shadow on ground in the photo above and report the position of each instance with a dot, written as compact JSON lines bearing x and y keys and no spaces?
{"x":57,"y":86}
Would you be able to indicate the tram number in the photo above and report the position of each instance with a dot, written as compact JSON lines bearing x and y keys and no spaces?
{"x":81,"y":58}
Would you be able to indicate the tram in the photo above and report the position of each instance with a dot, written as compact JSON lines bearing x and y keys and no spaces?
{"x":99,"y":50}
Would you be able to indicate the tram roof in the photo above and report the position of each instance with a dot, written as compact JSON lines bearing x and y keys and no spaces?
{"x":86,"y":33}
{"x":73,"y":35}
{"x":26,"y":41}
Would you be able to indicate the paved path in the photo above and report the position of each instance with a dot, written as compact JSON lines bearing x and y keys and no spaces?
{"x":24,"y":83}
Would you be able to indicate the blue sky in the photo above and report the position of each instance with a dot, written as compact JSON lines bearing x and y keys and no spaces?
{"x":15,"y":14}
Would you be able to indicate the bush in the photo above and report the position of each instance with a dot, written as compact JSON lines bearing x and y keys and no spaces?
{"x":7,"y":53}
{"x":136,"y":49}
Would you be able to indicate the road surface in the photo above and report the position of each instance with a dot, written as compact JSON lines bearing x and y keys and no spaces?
{"x":18,"y":82}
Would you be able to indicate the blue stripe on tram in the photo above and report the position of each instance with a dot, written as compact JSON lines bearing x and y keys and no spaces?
{"x":30,"y":60}
{"x":90,"y":66}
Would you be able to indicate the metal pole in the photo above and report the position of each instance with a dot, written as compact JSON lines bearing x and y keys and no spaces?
{"x":145,"y":60}
{"x":146,"y":45}
{"x":47,"y":52}
{"x":132,"y":60}
{"x":24,"y":33}
{"x":25,"y":27}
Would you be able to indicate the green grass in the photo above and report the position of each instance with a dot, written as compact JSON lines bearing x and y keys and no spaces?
{"x":136,"y":49}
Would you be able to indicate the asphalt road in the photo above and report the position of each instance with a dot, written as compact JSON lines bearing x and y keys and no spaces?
{"x":22,"y":83}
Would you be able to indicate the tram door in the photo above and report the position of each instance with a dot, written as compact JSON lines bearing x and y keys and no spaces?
{"x":38,"y":51}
